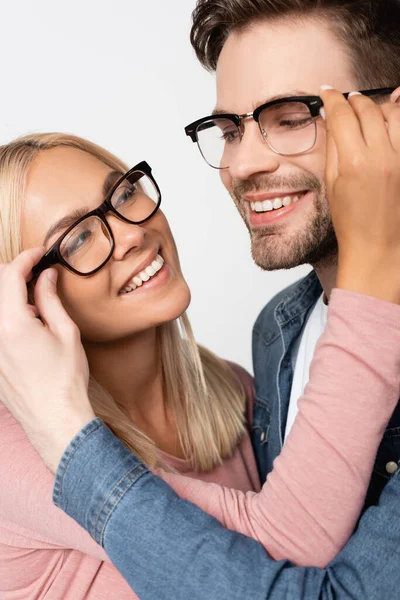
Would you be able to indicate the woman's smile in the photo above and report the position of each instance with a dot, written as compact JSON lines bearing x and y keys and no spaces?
{"x":154,"y":275}
{"x":143,"y":267}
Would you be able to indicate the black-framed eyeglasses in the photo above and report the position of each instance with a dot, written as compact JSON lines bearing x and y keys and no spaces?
{"x":86,"y":246}
{"x":287,"y":125}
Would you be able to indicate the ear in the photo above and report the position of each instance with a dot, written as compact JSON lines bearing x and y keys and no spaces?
{"x":395,"y":97}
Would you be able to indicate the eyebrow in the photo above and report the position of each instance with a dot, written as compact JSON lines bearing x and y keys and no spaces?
{"x":78,"y":213}
{"x":290,"y":94}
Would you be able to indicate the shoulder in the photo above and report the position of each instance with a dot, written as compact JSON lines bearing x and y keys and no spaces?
{"x":244,"y":376}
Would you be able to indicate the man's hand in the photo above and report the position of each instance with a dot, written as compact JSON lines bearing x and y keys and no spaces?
{"x":363,"y":183}
{"x":43,"y":367}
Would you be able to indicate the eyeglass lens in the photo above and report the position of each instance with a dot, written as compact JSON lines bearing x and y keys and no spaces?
{"x":288,"y":128}
{"x":88,"y":245}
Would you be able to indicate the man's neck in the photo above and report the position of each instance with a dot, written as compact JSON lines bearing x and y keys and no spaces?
{"x":327,"y":272}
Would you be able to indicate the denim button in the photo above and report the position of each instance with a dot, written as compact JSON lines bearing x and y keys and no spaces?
{"x":262,"y":437}
{"x":391,"y":467}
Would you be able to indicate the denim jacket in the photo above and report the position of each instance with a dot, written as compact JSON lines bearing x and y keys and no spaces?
{"x":169,"y":549}
{"x":276,"y":338}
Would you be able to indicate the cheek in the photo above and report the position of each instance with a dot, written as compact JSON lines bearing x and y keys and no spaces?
{"x":319,"y":153}
{"x":162,"y":227}
{"x":226,"y":179}
{"x":78,"y":295}
{"x":314,"y":161}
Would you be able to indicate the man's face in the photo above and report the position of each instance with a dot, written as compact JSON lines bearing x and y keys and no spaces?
{"x":269,"y":60}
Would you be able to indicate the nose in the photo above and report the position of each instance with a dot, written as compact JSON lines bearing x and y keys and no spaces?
{"x":127,"y":237}
{"x":252,"y":155}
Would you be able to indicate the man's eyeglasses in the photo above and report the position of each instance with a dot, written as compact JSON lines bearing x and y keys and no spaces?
{"x":86,"y":246}
{"x":287,"y":125}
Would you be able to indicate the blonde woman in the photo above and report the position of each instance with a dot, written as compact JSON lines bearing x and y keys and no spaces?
{"x":176,"y":406}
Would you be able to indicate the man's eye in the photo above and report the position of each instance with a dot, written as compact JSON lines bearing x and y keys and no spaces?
{"x":294,"y":122}
{"x":230,"y":136}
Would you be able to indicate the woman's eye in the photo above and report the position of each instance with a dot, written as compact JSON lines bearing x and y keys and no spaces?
{"x":76,"y":243}
{"x":125,"y":195}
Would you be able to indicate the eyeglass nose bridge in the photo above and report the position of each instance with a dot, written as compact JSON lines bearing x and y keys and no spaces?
{"x":242,"y":118}
{"x":100,"y":212}
{"x":255,"y":115}
{"x":107,"y":207}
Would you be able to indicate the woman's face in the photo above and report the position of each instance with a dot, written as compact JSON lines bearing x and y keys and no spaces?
{"x":62,"y":180}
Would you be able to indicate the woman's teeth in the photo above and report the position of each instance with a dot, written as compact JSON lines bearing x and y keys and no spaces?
{"x":275,"y":204}
{"x":144,"y":275}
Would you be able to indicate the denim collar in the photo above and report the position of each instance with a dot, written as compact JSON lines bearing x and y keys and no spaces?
{"x":298,"y":300}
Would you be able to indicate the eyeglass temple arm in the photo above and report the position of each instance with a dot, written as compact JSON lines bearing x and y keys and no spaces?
{"x":191,"y":130}
{"x":45,"y":262}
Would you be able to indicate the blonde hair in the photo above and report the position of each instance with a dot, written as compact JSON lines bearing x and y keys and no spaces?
{"x":205,"y":397}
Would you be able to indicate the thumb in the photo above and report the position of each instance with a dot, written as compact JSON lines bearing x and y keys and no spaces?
{"x":48,"y":302}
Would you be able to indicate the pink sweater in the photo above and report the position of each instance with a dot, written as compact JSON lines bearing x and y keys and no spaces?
{"x":305,"y":511}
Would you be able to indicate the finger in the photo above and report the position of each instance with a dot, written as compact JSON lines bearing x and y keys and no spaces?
{"x":33,"y":311}
{"x":391,"y":113}
{"x":26,"y":260}
{"x":371,"y":119}
{"x":342,"y":124}
{"x":49,"y":304}
{"x":13,"y":279}
{"x":331,"y":165}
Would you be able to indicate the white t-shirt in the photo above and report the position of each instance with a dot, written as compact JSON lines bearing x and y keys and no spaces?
{"x":312,"y":332}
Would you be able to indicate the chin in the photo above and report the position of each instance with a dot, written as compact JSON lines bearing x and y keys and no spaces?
{"x":131,"y":323}
{"x":171,"y":307}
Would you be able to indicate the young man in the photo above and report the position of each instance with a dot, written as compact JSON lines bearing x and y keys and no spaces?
{"x":265,"y":51}
{"x":167,"y":548}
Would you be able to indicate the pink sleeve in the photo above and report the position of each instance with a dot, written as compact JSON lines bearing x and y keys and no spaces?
{"x":310,"y":503}
{"x":28,"y":517}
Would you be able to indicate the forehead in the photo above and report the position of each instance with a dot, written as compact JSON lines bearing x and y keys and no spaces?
{"x":277,"y":57}
{"x":59,"y":181}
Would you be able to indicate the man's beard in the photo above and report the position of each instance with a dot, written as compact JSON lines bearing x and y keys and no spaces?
{"x":271,"y":247}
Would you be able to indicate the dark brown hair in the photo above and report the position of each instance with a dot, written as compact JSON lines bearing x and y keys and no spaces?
{"x":370,"y":29}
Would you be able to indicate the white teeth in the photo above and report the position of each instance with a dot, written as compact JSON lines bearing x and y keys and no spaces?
{"x":275,"y":204}
{"x":129,"y":288}
{"x":156,"y":265}
{"x":144,"y":275}
{"x":150,"y":271}
{"x":267,"y":205}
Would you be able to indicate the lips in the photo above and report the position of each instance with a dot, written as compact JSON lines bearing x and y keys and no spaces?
{"x":140,"y":270}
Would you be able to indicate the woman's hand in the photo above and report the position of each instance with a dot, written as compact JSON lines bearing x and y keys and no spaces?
{"x":43,"y":367}
{"x":363,"y":184}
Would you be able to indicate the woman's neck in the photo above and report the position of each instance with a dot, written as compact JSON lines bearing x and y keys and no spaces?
{"x":130,"y":370}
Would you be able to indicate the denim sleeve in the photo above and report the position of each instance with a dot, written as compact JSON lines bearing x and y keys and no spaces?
{"x":166,"y":547}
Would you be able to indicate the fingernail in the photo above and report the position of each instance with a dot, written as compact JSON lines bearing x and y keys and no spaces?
{"x":394,"y":98}
{"x":322,"y":113}
{"x":354,"y":94}
{"x":52,"y":274}
{"x":326,"y":87}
